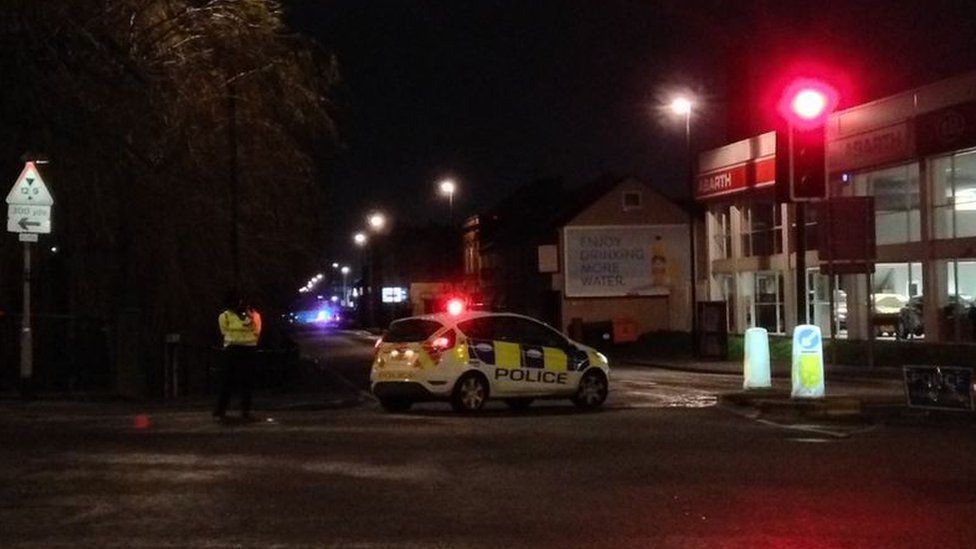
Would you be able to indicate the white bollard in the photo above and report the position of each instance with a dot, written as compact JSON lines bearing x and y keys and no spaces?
{"x":808,"y":368}
{"x":755,"y":359}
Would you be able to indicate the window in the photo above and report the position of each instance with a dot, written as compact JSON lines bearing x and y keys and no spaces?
{"x":478,"y":328}
{"x":411,"y":330}
{"x":818,"y":303}
{"x":762,"y":296}
{"x":957,"y":308}
{"x":522,"y":330}
{"x":954,"y":195}
{"x":632,"y":200}
{"x":898,"y":300}
{"x":762,"y":229}
{"x":896,"y":203}
{"x":721,"y":232}
{"x":726,"y":292}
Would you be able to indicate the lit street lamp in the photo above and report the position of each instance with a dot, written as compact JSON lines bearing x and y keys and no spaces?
{"x":377,"y":221}
{"x":682,"y":106}
{"x":360,"y":239}
{"x":447,"y":188}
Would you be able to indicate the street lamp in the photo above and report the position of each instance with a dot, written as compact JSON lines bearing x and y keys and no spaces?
{"x":345,"y":294}
{"x":377,"y":221}
{"x":682,"y":106}
{"x":447,"y":188}
{"x":360,"y":239}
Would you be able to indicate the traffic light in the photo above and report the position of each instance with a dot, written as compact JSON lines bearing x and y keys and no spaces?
{"x":809,"y":181}
{"x":801,"y":159}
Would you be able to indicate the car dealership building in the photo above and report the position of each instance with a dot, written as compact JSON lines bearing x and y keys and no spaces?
{"x":914,"y":153}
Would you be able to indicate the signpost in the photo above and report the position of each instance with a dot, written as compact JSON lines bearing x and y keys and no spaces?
{"x":939,"y":387}
{"x":807,"y":372}
{"x":28,"y":214}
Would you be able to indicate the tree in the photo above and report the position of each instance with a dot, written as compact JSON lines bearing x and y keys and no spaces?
{"x":140,"y":105}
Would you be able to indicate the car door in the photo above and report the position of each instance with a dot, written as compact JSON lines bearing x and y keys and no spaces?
{"x":544,"y":358}
{"x":495,"y":358}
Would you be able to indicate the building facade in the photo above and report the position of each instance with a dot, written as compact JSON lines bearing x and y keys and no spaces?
{"x":614,"y":250}
{"x":914,"y":155}
{"x":623,"y":255}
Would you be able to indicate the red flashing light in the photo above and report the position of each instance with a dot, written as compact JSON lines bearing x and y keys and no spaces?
{"x":455,"y":306}
{"x":806,"y":103}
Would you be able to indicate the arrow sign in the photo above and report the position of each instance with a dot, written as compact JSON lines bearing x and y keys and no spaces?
{"x":24,"y":224}
{"x":28,"y":219}
{"x":29,"y":189}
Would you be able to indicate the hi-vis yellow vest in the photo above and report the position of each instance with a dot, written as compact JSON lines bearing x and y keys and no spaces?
{"x":240,"y":332}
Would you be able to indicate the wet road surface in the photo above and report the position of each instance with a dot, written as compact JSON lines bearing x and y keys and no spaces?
{"x":662,"y":466}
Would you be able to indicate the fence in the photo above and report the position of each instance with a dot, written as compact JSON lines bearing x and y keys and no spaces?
{"x":71,"y":352}
{"x":83,"y":354}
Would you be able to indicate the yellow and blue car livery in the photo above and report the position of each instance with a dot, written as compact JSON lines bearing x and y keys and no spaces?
{"x":516,"y":364}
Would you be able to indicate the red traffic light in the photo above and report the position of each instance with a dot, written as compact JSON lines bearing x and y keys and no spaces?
{"x":807,"y":102}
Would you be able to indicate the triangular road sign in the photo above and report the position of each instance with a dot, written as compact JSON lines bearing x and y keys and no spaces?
{"x":30,"y":190}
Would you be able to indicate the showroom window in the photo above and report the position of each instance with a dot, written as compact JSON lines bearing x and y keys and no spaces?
{"x":762,"y":296}
{"x":954,"y":195}
{"x":957,"y":310}
{"x":818,"y":303}
{"x":725,"y":284}
{"x":762,"y":229}
{"x":898,"y":300}
{"x":721,"y":231}
{"x":896,"y":202}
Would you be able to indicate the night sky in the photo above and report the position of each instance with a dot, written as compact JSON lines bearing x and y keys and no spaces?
{"x":499,"y":93}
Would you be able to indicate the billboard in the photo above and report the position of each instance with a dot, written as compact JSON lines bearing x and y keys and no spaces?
{"x":618,"y":261}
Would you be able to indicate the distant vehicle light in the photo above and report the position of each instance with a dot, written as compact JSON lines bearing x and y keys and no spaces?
{"x":455,"y":307}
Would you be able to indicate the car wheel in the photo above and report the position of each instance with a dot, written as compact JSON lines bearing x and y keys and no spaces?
{"x":519,"y":404}
{"x":395,"y":404}
{"x":592,"y":390}
{"x":470,"y":393}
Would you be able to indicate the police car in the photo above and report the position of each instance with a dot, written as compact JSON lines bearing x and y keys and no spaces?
{"x":467,"y":358}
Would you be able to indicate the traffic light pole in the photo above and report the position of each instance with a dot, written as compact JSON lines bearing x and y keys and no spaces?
{"x":799,"y":243}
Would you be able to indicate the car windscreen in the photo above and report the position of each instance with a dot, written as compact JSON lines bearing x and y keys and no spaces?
{"x":411,"y":330}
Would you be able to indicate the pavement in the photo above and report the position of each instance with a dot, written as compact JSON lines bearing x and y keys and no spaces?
{"x":777,"y":369}
{"x":852,"y":394}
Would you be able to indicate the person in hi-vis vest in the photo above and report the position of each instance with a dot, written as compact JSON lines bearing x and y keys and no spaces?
{"x":240,"y":326}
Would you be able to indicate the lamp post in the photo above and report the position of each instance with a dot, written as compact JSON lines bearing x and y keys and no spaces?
{"x":377,"y":223}
{"x":360,"y":239}
{"x":682,"y":106}
{"x":345,"y":294}
{"x":447,"y":187}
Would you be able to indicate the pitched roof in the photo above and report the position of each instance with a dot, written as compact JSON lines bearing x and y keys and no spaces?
{"x":535,"y":211}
